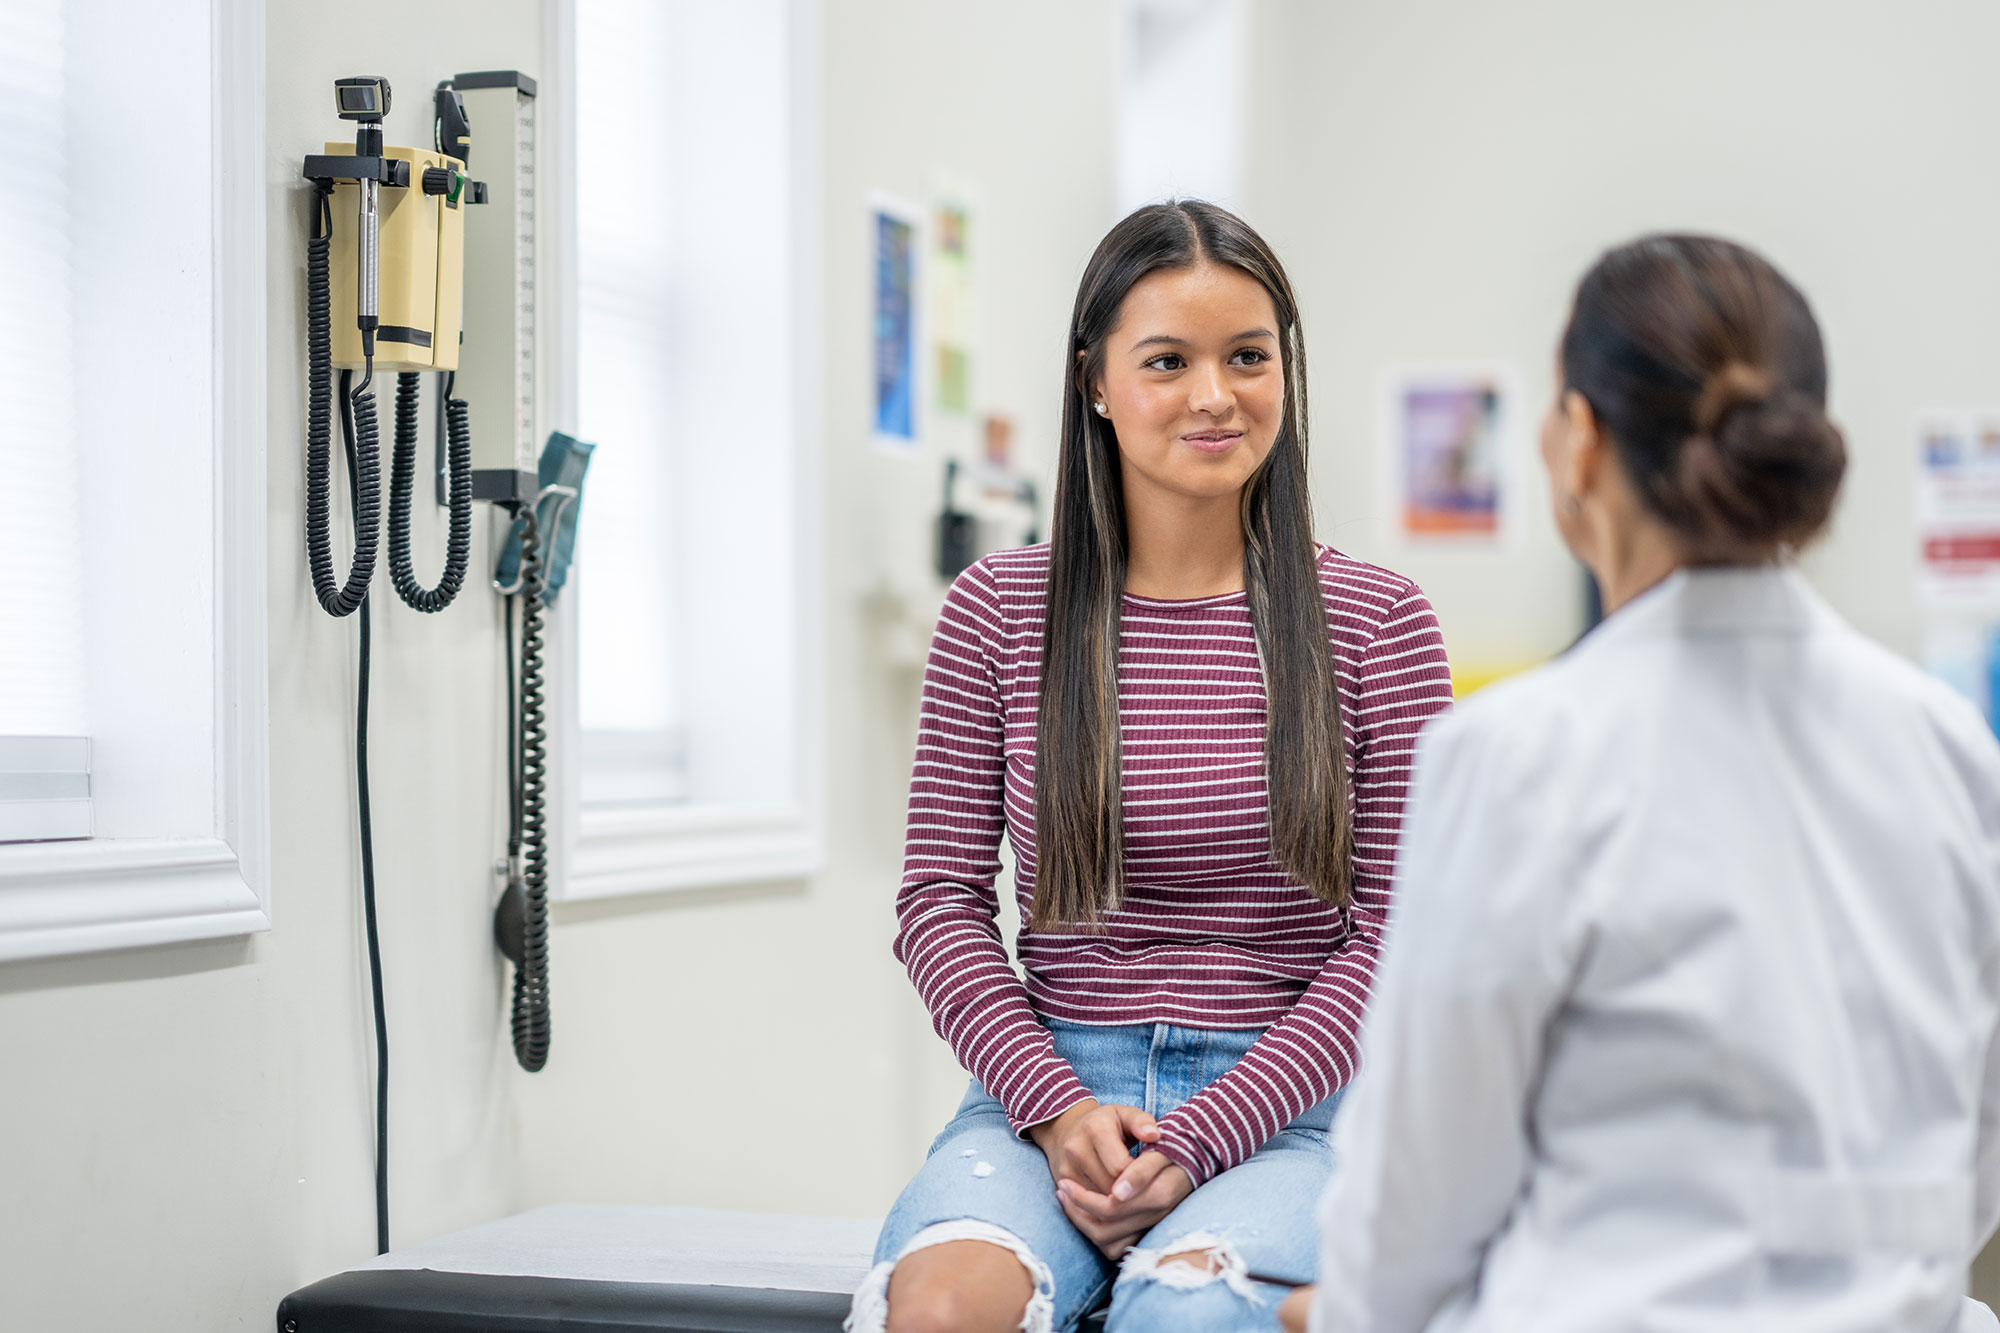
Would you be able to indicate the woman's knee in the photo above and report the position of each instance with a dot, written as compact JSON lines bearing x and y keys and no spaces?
{"x":933,"y":1302}
{"x":1200,"y":1284}
{"x":970,"y":1285}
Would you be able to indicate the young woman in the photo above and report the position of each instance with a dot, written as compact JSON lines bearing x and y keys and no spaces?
{"x":1688,"y":1020}
{"x":1195,"y":727}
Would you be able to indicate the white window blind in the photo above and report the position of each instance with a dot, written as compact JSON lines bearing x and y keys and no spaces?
{"x":44,"y":789}
{"x":1168,"y":47}
{"x":629,"y":695}
{"x":683,"y":248}
{"x":692,"y":197}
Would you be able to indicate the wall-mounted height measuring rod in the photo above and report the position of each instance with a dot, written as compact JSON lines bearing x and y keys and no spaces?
{"x":497,"y":366}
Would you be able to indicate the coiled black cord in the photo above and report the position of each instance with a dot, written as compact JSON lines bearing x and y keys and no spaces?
{"x":531,"y":970}
{"x":402,"y":480}
{"x":364,"y":462}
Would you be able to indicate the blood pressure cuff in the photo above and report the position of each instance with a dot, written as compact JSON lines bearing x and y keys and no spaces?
{"x":558,"y":499}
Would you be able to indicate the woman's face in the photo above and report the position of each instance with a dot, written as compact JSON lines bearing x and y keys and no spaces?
{"x":1192,"y":381}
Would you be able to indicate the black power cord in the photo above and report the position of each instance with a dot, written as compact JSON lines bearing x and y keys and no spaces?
{"x":402,"y":481}
{"x":360,"y":439}
{"x":374,"y":949}
{"x":521,"y":922}
{"x":364,"y":805}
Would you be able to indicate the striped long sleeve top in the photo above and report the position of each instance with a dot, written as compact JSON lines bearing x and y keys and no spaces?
{"x":1212,"y":933}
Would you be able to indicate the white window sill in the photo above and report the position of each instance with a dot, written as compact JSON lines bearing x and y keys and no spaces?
{"x":81,"y":897}
{"x":622,"y":852}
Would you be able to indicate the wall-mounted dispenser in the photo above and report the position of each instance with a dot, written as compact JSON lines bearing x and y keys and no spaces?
{"x":385,"y":294}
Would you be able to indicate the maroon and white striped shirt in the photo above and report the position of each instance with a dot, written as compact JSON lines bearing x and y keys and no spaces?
{"x":1212,"y":933}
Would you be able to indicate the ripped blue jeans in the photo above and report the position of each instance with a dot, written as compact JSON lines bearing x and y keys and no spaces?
{"x":1259,"y":1215}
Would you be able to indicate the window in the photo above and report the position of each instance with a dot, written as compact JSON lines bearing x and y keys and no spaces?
{"x":693,"y":723}
{"x":137,"y":621}
{"x":1169,"y":147}
{"x":44,"y":758}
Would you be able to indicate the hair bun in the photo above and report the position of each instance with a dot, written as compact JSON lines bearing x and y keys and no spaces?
{"x":1736,"y":384}
{"x":1763,"y":466}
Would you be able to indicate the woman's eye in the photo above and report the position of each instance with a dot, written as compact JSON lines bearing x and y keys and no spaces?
{"x":1251,"y":356}
{"x":1166,"y":361}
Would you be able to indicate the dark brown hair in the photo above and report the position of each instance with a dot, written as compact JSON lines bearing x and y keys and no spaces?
{"x":1079,"y":831}
{"x":1705,"y":366}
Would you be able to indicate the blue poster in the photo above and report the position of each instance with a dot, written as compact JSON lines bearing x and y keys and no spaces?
{"x":895,"y":330}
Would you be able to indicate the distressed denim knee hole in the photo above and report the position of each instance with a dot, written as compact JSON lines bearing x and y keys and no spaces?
{"x":870,"y":1311}
{"x":1214,"y":1259}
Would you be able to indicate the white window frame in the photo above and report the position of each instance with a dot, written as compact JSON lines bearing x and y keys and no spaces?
{"x":1204,"y":160}
{"x":112,"y":893}
{"x":697,"y":844}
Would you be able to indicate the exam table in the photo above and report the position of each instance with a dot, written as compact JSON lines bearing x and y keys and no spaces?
{"x":574,"y":1268}
{"x":596,"y":1268}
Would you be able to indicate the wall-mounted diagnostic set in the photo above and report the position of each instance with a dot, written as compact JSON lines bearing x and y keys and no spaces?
{"x":416,"y":269}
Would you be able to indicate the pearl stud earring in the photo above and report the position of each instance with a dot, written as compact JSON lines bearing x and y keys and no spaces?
{"x":1102,"y":410}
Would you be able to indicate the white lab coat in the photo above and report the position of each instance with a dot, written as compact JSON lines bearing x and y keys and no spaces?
{"x":1687,"y":1015}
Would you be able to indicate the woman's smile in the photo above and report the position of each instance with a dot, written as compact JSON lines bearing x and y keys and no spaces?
{"x":1213,"y":441}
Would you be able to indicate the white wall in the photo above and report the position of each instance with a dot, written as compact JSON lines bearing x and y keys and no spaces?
{"x":1438,"y":174}
{"x":189,"y":1128}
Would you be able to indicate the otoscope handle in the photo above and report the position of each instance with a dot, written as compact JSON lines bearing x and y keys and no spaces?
{"x":369,"y":254}
{"x":368,"y":232}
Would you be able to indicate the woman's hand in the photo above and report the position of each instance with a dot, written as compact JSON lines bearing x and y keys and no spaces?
{"x":1144,"y":1193}
{"x":1092,"y":1144}
{"x":1296,"y":1310}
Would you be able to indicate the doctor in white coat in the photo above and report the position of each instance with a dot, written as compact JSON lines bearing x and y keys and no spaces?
{"x":1687,"y":1018}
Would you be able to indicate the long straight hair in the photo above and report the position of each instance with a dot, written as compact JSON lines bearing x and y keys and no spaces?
{"x":1079,"y":829}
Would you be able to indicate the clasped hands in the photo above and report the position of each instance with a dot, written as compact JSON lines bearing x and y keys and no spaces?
{"x":1112,"y":1197}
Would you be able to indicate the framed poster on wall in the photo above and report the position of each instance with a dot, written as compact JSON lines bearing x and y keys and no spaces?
{"x":894,"y":229}
{"x":1448,"y":450}
{"x":1958,"y":511}
{"x":950,"y":280}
